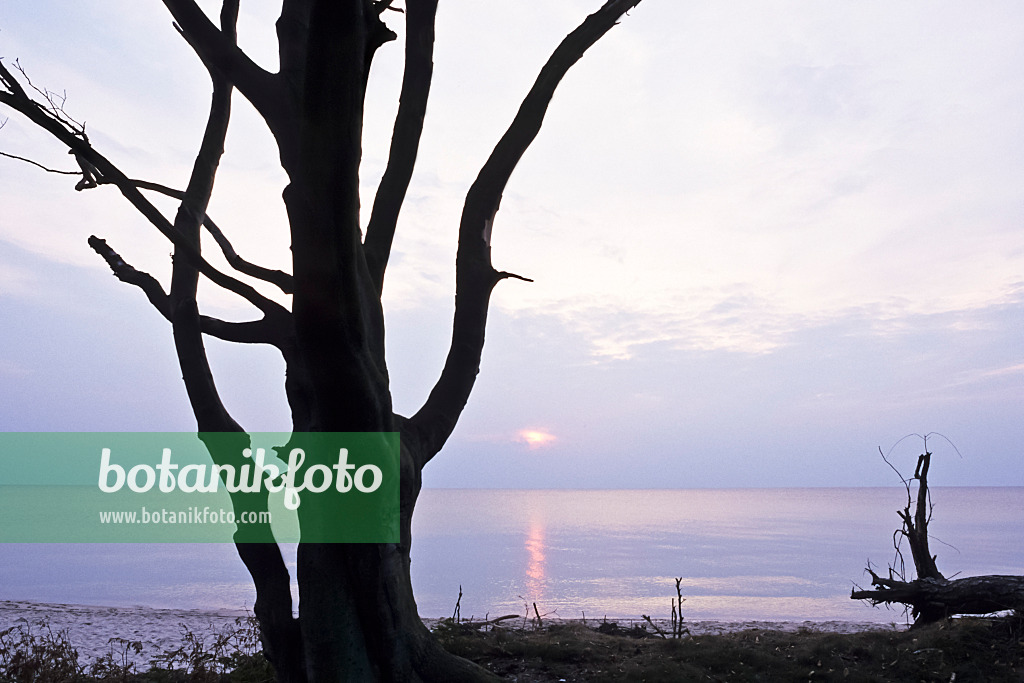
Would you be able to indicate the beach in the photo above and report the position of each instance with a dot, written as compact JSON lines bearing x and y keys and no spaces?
{"x":90,"y":628}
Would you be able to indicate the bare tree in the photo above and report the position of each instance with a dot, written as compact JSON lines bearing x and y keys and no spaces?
{"x":931,"y":596}
{"x":358,"y":619}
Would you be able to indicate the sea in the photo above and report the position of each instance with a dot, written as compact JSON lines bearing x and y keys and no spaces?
{"x":780,"y":554}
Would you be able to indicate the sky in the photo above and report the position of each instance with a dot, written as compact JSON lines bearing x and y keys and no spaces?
{"x":766,"y":239}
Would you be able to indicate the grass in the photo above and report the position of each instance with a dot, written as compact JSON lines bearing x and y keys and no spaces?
{"x":960,"y":651}
{"x":41,"y":655}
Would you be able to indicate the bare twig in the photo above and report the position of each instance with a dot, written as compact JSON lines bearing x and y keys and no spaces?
{"x":36,"y":163}
{"x":457,"y":614}
{"x":55,"y":108}
{"x":678,"y":629}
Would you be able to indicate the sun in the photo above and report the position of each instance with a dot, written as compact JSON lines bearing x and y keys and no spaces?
{"x":535,"y":438}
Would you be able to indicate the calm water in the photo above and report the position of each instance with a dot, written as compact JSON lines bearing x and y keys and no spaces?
{"x":769,"y":554}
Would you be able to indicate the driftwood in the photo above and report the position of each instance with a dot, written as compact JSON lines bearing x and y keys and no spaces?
{"x":469,"y":625}
{"x":932,"y":597}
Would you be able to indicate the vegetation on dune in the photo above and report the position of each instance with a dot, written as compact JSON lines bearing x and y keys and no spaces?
{"x":961,"y":650}
{"x":969,"y":649}
{"x":232,"y":654}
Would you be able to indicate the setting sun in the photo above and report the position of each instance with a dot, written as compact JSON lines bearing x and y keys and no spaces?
{"x":535,"y":438}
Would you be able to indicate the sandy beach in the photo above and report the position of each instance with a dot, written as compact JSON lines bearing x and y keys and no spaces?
{"x":90,"y":628}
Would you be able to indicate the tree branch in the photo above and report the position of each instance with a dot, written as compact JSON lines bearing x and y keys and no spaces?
{"x":254,"y":332}
{"x":36,"y":163}
{"x":280,"y":279}
{"x":8,"y":81}
{"x":209,"y":410}
{"x":279,"y":632}
{"x":381,"y":5}
{"x":475,"y":276}
{"x":127,"y":273}
{"x":419,"y":68}
{"x":485,"y":194}
{"x":56,"y":122}
{"x":112,"y":174}
{"x":77,"y":142}
{"x":219,"y":52}
{"x":54,"y":100}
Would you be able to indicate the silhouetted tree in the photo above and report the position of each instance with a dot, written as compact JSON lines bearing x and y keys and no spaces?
{"x":358,"y":619}
{"x":931,"y":596}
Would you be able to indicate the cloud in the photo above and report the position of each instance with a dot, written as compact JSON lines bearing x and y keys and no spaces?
{"x":811,"y":411}
{"x":13,"y":369}
{"x":794,"y":232}
{"x":1002,"y":372}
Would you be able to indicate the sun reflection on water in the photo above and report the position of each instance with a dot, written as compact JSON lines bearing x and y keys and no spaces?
{"x":536,"y":579}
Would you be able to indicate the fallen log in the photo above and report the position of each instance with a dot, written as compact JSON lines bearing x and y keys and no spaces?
{"x":933,"y":599}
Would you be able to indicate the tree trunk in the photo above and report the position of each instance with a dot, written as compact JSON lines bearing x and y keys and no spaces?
{"x":916,"y":528}
{"x":358,"y":618}
{"x":935,"y":599}
{"x":358,"y":614}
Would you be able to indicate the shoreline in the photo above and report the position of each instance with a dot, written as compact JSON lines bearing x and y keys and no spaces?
{"x":708,"y":627}
{"x":90,"y":627}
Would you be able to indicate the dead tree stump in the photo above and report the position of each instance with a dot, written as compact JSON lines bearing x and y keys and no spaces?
{"x":932,"y":597}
